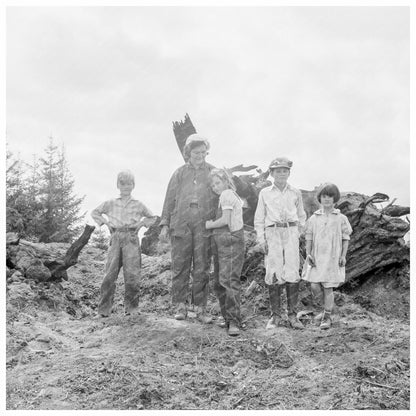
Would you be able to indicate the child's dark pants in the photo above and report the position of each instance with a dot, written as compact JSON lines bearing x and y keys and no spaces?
{"x":227,"y":284}
{"x":124,"y":251}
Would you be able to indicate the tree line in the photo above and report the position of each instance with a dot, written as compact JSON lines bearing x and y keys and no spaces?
{"x":40,"y":201}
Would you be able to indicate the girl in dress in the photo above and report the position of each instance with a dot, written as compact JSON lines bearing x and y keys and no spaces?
{"x":229,"y":243}
{"x":327,"y":235}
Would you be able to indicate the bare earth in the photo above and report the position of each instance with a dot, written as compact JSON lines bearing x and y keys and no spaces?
{"x":60,"y":357}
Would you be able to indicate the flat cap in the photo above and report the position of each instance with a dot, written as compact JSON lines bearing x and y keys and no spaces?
{"x":280,"y":162}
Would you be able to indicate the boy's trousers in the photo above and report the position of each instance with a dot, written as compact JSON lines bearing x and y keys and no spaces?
{"x":191,"y":249}
{"x":124,"y":251}
{"x":228,"y":266}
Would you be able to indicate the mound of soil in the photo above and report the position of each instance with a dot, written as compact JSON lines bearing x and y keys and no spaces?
{"x":59,"y":356}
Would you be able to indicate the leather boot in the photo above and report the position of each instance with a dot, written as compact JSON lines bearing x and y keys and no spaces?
{"x":180,"y":312}
{"x":275,"y":305}
{"x":203,"y":316}
{"x":292,"y":293}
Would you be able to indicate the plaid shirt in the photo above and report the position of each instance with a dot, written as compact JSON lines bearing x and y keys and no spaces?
{"x":121,"y":213}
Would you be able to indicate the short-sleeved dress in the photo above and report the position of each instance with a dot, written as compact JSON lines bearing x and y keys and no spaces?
{"x":326,"y":234}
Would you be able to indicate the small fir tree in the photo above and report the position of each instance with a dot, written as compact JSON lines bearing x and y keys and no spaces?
{"x":60,"y":218}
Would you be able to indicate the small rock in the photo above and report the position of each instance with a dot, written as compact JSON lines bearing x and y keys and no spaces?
{"x":12,"y":238}
{"x":22,"y":258}
{"x":38,"y":271}
{"x":16,"y":276}
{"x":251,"y":288}
{"x":9,"y":272}
{"x":43,"y":338}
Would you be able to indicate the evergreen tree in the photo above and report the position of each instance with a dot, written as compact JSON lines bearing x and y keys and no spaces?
{"x":33,"y":198}
{"x":14,"y":193}
{"x":40,"y":202}
{"x":60,"y":217}
{"x":100,"y":239}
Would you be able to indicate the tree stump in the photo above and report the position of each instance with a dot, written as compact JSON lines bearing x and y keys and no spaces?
{"x":37,"y":260}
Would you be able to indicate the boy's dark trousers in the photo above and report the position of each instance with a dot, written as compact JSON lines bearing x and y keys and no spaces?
{"x":228,"y":264}
{"x":124,"y":251}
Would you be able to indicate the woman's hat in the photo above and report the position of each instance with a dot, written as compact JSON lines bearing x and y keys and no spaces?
{"x":197,"y":138}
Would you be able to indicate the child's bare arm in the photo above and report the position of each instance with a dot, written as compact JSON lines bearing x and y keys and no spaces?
{"x":220,"y":222}
{"x":342,"y":258}
{"x":309,"y":251}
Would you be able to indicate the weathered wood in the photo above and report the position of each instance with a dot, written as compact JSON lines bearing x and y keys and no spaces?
{"x":395,"y":211}
{"x":39,"y":260}
{"x":58,"y":268}
{"x":377,"y":239}
{"x":150,"y":239}
{"x":182,"y":130}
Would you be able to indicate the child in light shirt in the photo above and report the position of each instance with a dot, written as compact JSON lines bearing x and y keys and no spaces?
{"x":278,"y":220}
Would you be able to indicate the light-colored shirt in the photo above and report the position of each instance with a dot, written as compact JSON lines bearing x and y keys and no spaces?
{"x":230,"y":200}
{"x":121,"y":213}
{"x":275,"y":205}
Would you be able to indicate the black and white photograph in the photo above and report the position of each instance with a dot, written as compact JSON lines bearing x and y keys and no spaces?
{"x":207,"y":207}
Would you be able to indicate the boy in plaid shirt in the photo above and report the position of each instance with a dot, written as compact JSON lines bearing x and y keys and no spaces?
{"x":124,"y":216}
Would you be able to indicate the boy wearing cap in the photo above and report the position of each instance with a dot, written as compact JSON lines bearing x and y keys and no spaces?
{"x":124,"y":218}
{"x":189,"y":203}
{"x":278,"y":220}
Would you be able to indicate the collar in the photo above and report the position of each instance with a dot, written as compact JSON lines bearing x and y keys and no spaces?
{"x":320,"y":211}
{"x":190,"y":166}
{"x":126,"y":201}
{"x":286,"y":188}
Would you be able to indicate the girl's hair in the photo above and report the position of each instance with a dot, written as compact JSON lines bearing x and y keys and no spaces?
{"x":190,"y":146}
{"x":224,"y":176}
{"x":329,"y":189}
{"x":125,"y":175}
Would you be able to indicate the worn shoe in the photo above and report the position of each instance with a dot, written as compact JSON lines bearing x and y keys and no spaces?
{"x":221,"y":322}
{"x":203,"y":317}
{"x":294,"y":322}
{"x":318,"y":318}
{"x":233,"y":330}
{"x":326,"y":321}
{"x":271,"y":323}
{"x":278,"y":321}
{"x":180,"y":313}
{"x":99,"y":316}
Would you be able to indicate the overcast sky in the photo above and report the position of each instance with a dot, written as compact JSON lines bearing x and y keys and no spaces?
{"x":327,"y":87}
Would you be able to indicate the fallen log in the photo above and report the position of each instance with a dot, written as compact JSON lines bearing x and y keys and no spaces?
{"x":377,"y":240}
{"x":39,"y":261}
{"x":58,"y":268}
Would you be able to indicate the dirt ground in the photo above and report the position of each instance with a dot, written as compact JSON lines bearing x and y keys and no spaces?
{"x":60,"y":357}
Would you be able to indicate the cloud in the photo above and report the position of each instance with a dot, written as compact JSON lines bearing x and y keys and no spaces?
{"x":327,"y":87}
